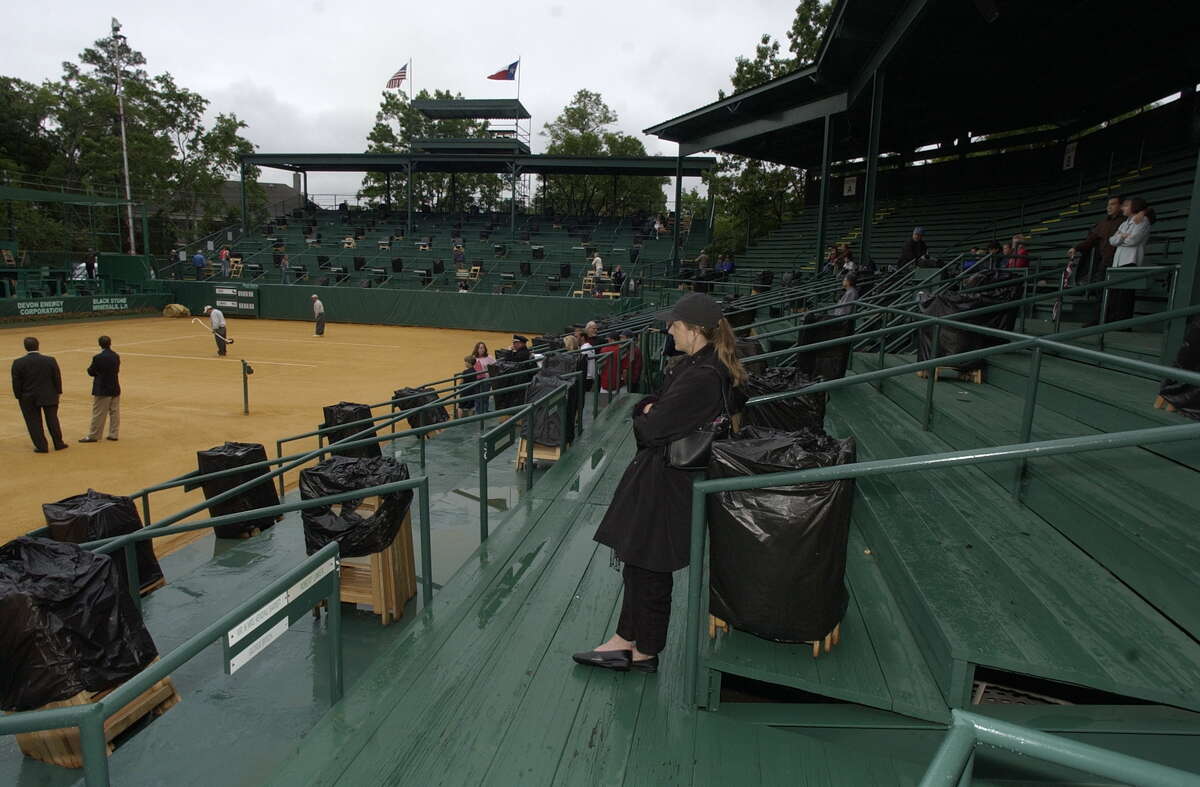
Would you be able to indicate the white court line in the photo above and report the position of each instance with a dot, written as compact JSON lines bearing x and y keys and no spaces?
{"x":128,"y":344}
{"x":209,"y":358}
{"x":323,"y":341}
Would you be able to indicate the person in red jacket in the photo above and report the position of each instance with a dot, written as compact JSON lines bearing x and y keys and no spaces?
{"x":608,"y":366}
{"x":631,"y":361}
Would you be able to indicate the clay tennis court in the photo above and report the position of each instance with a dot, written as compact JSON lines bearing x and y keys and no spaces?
{"x":178,"y":397}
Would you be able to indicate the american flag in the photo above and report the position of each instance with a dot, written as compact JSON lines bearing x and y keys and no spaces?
{"x":398,"y":77}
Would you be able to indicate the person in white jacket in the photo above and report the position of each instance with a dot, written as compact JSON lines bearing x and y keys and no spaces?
{"x":1130,"y":242}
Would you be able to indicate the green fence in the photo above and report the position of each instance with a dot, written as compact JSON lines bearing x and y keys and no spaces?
{"x":73,"y":307}
{"x":468,"y":311}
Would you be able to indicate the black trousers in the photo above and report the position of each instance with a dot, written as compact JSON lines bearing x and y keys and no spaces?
{"x":33,"y":422}
{"x":219,"y":338}
{"x":1120,"y":305}
{"x":645,"y":608}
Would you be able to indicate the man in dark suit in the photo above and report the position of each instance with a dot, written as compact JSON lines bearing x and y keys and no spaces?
{"x":106,"y":392}
{"x":37,"y":384}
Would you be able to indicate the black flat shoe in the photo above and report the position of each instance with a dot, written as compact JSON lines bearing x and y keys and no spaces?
{"x":645,"y":665}
{"x":608,"y":659}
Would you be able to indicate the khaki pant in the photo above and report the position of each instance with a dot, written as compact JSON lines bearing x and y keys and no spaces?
{"x":105,"y":407}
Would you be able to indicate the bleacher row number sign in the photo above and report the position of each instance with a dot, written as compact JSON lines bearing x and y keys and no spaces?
{"x":236,"y":301}
{"x":269,"y":622}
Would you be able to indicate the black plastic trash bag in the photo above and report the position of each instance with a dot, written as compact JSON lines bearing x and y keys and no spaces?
{"x":827,"y":363}
{"x":356,"y":535}
{"x":796,"y":413}
{"x":778,"y":557}
{"x":953,"y":340}
{"x":558,"y":363}
{"x":410,"y":398}
{"x":70,"y":624}
{"x":96,"y":515}
{"x":344,"y":413}
{"x":510,"y":398}
{"x":1185,"y":397}
{"x":547,"y":426}
{"x":744,"y":348}
{"x":226,"y":457}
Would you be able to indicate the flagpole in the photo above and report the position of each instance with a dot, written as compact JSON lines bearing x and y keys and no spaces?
{"x":410,"y":81}
{"x":519,"y":70}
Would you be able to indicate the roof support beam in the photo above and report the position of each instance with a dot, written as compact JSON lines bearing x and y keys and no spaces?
{"x":895,"y":34}
{"x":765,"y":125}
{"x":868,"y":215}
{"x":823,"y":191}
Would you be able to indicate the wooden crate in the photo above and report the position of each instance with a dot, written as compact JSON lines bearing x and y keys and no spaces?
{"x":385,"y":580}
{"x":62,"y":746}
{"x":541,"y":453}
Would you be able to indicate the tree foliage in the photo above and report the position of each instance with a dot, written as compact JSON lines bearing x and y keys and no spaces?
{"x":583,"y":129}
{"x":397,"y":127}
{"x":754,"y":196}
{"x":66,"y":133}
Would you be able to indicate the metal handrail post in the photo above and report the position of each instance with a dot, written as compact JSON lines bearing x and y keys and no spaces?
{"x":94,"y":747}
{"x":697,"y":607}
{"x":1027,"y":414}
{"x":335,"y":636}
{"x":483,"y":485}
{"x":529,"y":419}
{"x":426,"y":528}
{"x":930,"y":379}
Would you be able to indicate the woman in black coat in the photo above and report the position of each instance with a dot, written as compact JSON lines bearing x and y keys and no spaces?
{"x":648,"y":524}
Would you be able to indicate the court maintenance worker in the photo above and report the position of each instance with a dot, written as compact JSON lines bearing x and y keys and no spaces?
{"x":648,"y":524}
{"x":216,"y":319}
{"x":37,"y":384}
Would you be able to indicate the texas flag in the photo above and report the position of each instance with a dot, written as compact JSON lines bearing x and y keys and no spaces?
{"x":509,"y":73}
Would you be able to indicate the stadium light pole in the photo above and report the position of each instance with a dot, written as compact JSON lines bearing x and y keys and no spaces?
{"x":117,"y":38}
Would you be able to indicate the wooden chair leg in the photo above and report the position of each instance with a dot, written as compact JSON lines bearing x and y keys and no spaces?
{"x":816,"y":645}
{"x":837,"y":633}
{"x":828,"y":641}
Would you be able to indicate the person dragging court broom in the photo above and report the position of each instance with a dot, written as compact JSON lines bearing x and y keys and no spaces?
{"x":318,"y":315}
{"x":216,"y":320}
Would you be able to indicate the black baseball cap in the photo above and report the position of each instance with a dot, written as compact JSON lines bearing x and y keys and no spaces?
{"x":695,"y":308}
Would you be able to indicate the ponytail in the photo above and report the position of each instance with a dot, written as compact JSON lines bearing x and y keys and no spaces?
{"x":723,"y":340}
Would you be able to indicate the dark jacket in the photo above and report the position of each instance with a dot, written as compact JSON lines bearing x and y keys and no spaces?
{"x":521,"y":355}
{"x":912,"y":250}
{"x":106,"y":364}
{"x":36,"y":379}
{"x":1097,"y":238}
{"x":649,"y":521}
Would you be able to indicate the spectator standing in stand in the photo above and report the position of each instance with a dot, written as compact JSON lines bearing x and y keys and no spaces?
{"x":914,"y":248}
{"x":520,"y":349}
{"x":483,"y":359}
{"x":1096,"y":249}
{"x":465,"y":382}
{"x":1130,"y":242}
{"x":223,"y":256}
{"x":618,"y":278}
{"x":198,"y":263}
{"x":597,"y":265}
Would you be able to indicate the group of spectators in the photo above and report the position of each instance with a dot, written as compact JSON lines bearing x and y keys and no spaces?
{"x":37,"y":386}
{"x":586,"y":340}
{"x":1117,"y":240}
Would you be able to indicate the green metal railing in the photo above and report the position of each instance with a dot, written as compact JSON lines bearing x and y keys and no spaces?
{"x":954,"y":761}
{"x":90,"y":718}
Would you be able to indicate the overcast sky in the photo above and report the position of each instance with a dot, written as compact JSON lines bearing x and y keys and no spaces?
{"x":307,"y":76}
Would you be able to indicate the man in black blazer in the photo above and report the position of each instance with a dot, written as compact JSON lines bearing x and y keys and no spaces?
{"x":37,"y":384}
{"x":106,"y":392}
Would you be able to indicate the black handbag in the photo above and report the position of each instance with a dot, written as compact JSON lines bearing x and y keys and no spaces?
{"x":692,"y":451}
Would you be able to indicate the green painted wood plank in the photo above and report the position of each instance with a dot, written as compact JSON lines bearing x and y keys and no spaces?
{"x":1139,"y":527}
{"x":541,"y":723}
{"x":911,"y":684}
{"x":661,"y":750}
{"x":851,"y":672}
{"x":435,"y":703}
{"x":342,"y":733}
{"x":1066,"y":611}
